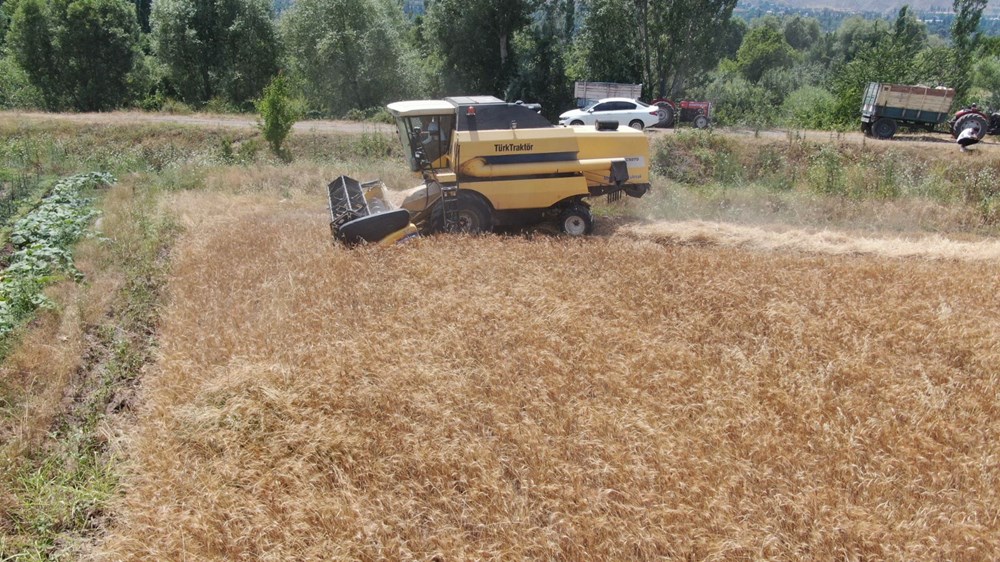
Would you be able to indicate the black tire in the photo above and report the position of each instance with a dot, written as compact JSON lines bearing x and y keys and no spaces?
{"x":700,"y":122}
{"x":576,"y":221}
{"x":474,"y":215}
{"x":576,"y":122}
{"x":866,"y":128}
{"x":970,"y":120}
{"x":666,"y":114}
{"x":884,"y":128}
{"x":637,"y":125}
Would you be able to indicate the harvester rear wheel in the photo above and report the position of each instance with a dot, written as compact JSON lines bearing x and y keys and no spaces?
{"x":474,"y":215}
{"x":576,"y":221}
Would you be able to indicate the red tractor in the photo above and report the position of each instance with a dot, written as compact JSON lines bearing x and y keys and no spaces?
{"x":698,"y":113}
{"x":972,"y":116}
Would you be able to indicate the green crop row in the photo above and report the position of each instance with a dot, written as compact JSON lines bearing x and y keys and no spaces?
{"x":42,"y":242}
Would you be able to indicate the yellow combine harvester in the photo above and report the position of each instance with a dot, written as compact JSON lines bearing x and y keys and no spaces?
{"x":486,"y":164}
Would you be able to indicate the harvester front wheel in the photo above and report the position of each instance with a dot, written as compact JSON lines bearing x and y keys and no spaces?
{"x":576,"y":221}
{"x":473,"y":214}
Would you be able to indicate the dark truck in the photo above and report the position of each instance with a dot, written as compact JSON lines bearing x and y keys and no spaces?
{"x":885,"y":107}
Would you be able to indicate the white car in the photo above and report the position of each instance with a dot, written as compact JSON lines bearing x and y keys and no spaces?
{"x":625,"y":111}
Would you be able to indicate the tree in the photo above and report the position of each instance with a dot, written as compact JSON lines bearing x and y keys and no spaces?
{"x":909,"y":32}
{"x":607,"y":47}
{"x":681,"y":39}
{"x":801,"y":33}
{"x":964,"y":37}
{"x":541,"y":59}
{"x":763,"y":49}
{"x":349,"y":54}
{"x":857,"y":34}
{"x":215,"y":48}
{"x":474,"y":42}
{"x":278,"y":112}
{"x":78,"y":53}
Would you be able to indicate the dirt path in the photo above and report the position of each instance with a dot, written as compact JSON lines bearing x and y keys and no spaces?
{"x":930,"y":141}
{"x":201,"y":119}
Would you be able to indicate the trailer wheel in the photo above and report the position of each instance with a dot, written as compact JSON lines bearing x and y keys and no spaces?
{"x":970,"y":120}
{"x":576,"y":221}
{"x":473,"y":213}
{"x":665,"y":113}
{"x":884,"y":128}
{"x":700,"y":122}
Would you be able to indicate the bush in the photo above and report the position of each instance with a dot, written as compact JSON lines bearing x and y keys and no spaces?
{"x":278,"y":112}
{"x":15,"y":89}
{"x":809,"y":107}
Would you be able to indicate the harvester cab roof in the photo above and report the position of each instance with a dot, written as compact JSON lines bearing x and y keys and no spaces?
{"x":429,"y":125}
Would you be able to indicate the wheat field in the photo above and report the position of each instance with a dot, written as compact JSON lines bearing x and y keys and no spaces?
{"x":658,"y":391}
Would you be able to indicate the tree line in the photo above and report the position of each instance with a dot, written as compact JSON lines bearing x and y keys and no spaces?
{"x":351,"y":57}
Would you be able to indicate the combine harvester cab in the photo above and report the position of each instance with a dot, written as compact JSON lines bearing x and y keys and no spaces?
{"x":486,"y":163}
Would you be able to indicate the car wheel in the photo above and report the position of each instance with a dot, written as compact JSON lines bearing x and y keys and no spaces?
{"x":576,"y":122}
{"x":637,"y":125}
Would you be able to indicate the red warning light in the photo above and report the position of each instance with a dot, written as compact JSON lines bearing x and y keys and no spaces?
{"x":470,"y":111}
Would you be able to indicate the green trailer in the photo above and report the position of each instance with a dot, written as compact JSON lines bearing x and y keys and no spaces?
{"x":885,"y":107}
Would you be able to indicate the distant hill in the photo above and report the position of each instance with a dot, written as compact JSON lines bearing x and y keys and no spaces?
{"x":885,"y":6}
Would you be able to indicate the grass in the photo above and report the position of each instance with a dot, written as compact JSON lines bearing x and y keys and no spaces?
{"x":226,"y":383}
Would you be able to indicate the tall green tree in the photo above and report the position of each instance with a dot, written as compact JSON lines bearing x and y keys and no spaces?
{"x":542,"y":49}
{"x":78,"y":53}
{"x":965,"y":36}
{"x":607,"y":46}
{"x":215,"y":48}
{"x":763,"y":49}
{"x":474,"y":42}
{"x":681,"y":39}
{"x":801,"y":33}
{"x":349,"y":54}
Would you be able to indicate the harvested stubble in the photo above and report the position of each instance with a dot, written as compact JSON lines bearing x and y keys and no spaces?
{"x":608,"y":398}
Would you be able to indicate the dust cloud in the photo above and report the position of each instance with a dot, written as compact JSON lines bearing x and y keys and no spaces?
{"x":932,"y":246}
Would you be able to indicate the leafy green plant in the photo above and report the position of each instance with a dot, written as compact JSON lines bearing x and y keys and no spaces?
{"x":42,"y":242}
{"x":278,"y":112}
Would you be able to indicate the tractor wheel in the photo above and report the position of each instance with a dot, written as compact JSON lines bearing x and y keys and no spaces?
{"x":576,"y":221}
{"x":884,"y":128}
{"x":970,"y":120}
{"x":866,"y":128}
{"x":637,"y":125}
{"x":474,"y":214}
{"x":665,"y":113}
{"x":700,"y":122}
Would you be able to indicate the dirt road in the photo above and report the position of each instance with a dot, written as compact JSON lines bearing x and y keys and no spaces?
{"x":934,"y":141}
{"x":201,"y":119}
